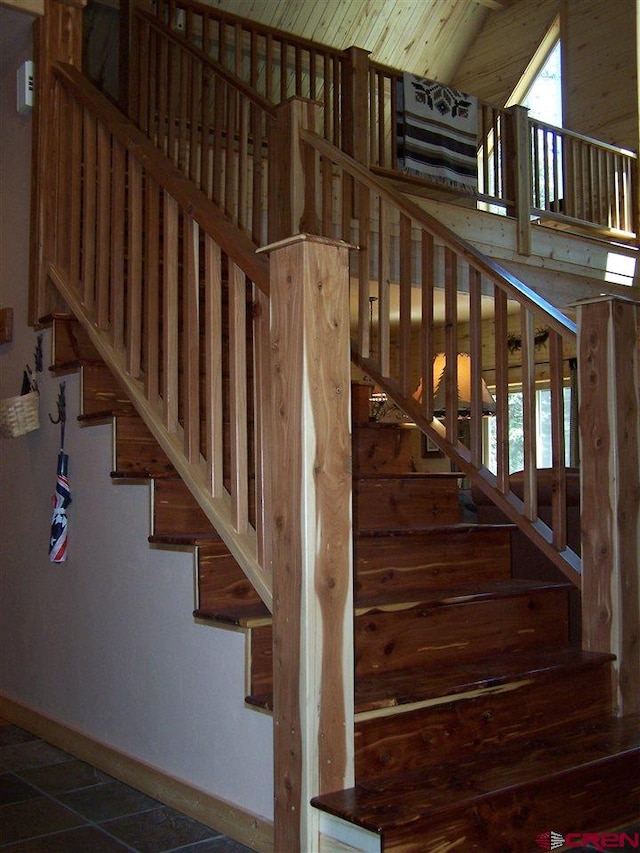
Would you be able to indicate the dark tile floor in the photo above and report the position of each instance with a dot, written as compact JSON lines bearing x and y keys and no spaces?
{"x":50,"y":802}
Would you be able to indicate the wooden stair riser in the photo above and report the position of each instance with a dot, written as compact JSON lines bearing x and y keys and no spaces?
{"x":136,"y":452}
{"x":422,"y":561}
{"x":400,"y":640}
{"x":403,"y":502}
{"x":101,"y":393}
{"x":222,"y":585}
{"x":428,"y":636}
{"x":400,"y":742}
{"x":593,"y":798}
{"x":176,"y":511}
{"x":70,"y":344}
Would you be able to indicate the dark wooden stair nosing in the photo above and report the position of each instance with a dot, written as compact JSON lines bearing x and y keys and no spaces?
{"x":389,"y":803}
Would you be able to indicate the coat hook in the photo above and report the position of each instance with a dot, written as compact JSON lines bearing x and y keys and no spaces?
{"x":62,"y":406}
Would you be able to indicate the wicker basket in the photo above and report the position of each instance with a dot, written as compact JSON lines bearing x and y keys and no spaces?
{"x":19,"y":415}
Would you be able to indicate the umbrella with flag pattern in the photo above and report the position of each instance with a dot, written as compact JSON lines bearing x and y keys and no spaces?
{"x":62,"y":496}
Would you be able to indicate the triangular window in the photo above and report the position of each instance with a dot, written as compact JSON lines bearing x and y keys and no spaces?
{"x":540,"y":87}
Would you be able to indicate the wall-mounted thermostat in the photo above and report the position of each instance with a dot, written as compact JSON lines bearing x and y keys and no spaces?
{"x":25,"y":87}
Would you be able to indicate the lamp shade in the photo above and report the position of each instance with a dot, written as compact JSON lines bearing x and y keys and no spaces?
{"x":464,"y":387}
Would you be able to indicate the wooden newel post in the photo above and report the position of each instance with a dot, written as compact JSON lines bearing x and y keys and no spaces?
{"x":290,"y":208}
{"x":609,"y":381}
{"x":519,"y":175}
{"x":310,"y":523}
{"x":355,"y":104}
{"x":57,"y":38}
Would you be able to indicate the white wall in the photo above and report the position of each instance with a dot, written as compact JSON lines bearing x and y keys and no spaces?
{"x":106,"y":642}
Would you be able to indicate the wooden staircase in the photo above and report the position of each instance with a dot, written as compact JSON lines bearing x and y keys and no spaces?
{"x":478,"y":724}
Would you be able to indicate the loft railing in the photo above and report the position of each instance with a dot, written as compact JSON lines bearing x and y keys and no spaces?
{"x":580,"y":179}
{"x":527,"y":169}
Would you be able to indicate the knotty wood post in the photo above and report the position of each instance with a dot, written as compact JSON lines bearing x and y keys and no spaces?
{"x":310,"y":523}
{"x":609,"y":383}
{"x":518,"y":172}
{"x":288,"y":208}
{"x":57,"y":38}
{"x":355,"y":104}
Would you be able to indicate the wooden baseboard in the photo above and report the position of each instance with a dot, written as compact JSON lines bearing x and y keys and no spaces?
{"x":241,"y":825}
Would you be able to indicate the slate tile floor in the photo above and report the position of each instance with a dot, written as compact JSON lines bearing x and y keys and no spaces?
{"x":50,"y":802}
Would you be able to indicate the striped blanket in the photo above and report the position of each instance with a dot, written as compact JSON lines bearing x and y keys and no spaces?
{"x":437,"y":133}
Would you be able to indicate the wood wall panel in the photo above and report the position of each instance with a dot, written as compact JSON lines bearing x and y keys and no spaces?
{"x":490,"y":70}
{"x":600,"y":76}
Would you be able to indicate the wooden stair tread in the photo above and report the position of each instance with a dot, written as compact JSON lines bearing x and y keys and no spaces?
{"x":400,"y":688}
{"x":433,"y":791}
{"x":184,"y":538}
{"x":435,"y":476}
{"x":250,"y":615}
{"x":452,"y":595}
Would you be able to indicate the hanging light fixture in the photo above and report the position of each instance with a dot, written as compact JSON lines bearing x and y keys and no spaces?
{"x":464,"y":387}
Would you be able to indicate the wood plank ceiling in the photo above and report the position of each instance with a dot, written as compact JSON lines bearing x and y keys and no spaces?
{"x":427,"y":37}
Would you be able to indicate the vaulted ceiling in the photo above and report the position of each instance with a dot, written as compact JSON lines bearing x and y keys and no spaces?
{"x":427,"y":37}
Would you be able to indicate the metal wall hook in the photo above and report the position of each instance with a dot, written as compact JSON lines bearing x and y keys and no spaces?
{"x":62,"y":412}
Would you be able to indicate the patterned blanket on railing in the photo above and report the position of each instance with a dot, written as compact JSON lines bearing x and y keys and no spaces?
{"x":437,"y":133}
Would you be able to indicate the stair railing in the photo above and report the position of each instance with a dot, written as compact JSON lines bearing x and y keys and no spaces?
{"x":150,"y":267}
{"x":407,"y":266}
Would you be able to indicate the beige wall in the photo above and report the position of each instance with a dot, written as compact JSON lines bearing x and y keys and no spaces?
{"x":104,"y":643}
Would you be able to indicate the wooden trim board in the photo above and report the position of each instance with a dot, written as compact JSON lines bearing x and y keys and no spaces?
{"x":225,"y":817}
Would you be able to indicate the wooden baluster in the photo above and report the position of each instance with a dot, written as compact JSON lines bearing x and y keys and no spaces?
{"x":173,"y":96}
{"x":103,"y":226}
{"x":559,"y":481}
{"x":327,"y":197}
{"x":609,"y":380}
{"x":428,"y":260}
{"x":502,"y":390}
{"x":238,"y":397}
{"x":134,"y":266}
{"x":230,"y":164}
{"x":529,"y":414}
{"x":218,"y":166}
{"x":407,"y":380}
{"x":89,"y":210}
{"x":364,"y":236}
{"x":164,"y":87}
{"x":206,"y":134}
{"x":498,"y":152}
{"x":144,"y":77}
{"x":196,"y":137}
{"x":186,"y":65}
{"x":213,"y":366}
{"x":63,"y":169}
{"x":75,"y":196}
{"x":152,"y":289}
{"x":384,"y":288}
{"x":243,"y":166}
{"x":475,"y":353}
{"x":262,"y":424}
{"x":451,"y":343}
{"x":117,"y":271}
{"x":190,"y":348}
{"x":170,"y":313}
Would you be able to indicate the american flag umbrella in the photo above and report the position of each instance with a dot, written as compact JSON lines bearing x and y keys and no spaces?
{"x":62,"y":496}
{"x":59,"y":521}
